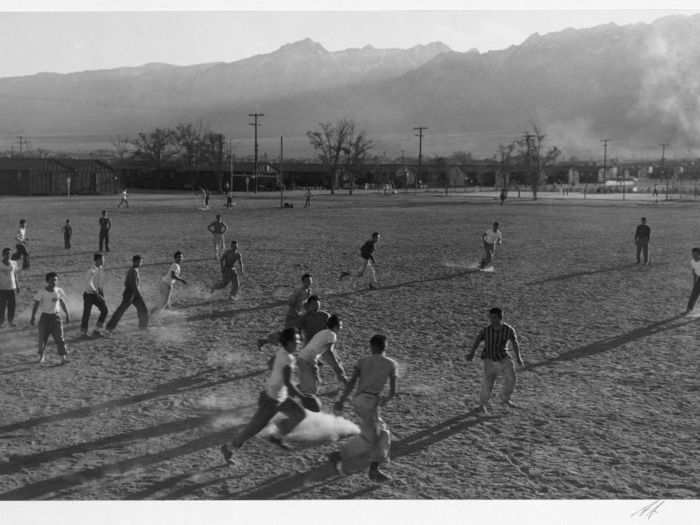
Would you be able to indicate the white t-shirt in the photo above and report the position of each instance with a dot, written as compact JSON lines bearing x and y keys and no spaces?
{"x":492,"y":237}
{"x":95,"y":279}
{"x":276,"y":388}
{"x":8,"y":278}
{"x":21,"y":235}
{"x":48,"y":301}
{"x":124,"y":195}
{"x":318,"y":344}
{"x":696,"y":266}
{"x":168,"y":278}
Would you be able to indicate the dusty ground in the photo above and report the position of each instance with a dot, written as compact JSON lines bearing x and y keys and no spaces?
{"x":609,"y":397}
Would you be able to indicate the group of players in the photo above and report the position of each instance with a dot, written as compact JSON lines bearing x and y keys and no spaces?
{"x":307,"y":341}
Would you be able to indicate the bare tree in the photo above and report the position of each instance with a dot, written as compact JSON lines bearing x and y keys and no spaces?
{"x":155,"y":147}
{"x":356,"y":151}
{"x":537,"y":158}
{"x":329,"y":142}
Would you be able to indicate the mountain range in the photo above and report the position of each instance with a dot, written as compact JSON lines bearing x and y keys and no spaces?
{"x":638,"y":85}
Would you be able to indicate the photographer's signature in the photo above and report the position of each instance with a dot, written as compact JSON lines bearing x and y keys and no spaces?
{"x":649,"y":510}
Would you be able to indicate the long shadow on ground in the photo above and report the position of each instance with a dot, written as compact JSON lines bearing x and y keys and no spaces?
{"x":611,"y":343}
{"x":194,"y":382}
{"x":573,"y":275}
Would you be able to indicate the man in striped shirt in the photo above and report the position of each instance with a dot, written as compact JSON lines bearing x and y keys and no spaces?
{"x":497,"y":362}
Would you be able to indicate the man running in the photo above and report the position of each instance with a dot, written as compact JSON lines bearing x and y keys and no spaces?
{"x":367,"y":254}
{"x":314,"y":320}
{"x":131,"y":296}
{"x":497,"y":362}
{"x":229,"y":274}
{"x":105,"y":226}
{"x":295,"y":309}
{"x":49,"y":301}
{"x":279,"y":395}
{"x":641,"y":239}
{"x":322,"y":345}
{"x":9,"y":287}
{"x":94,"y":296}
{"x":695,"y":291}
{"x":22,"y":239}
{"x":490,"y":239}
{"x":167,"y":282}
{"x":370,"y":374}
{"x":67,"y":234}
{"x":218,"y":228}
{"x":124,"y":199}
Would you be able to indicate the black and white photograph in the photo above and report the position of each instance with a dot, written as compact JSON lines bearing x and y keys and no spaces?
{"x":376,"y":253}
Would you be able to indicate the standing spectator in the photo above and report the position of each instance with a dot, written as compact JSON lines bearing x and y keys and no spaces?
{"x":94,"y":296}
{"x":49,"y":301}
{"x":132,"y":295}
{"x":218,"y":230}
{"x":9,"y":287}
{"x":67,"y":234}
{"x":503,"y":196}
{"x":497,"y":362}
{"x":641,"y":239}
{"x":22,"y":239}
{"x":105,"y":226}
{"x":307,"y":202}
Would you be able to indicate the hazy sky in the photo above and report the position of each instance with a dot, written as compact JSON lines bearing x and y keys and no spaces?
{"x":76,"y":41}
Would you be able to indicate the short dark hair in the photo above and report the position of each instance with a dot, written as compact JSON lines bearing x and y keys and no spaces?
{"x":644,"y":218}
{"x":22,"y":221}
{"x":6,"y":250}
{"x":234,"y":241}
{"x":333,"y":321}
{"x":695,"y":250}
{"x":312,"y":298}
{"x":50,"y":275}
{"x":97,"y":256}
{"x":287,"y":335}
{"x":136,"y":258}
{"x":496,"y":311}
{"x":377,"y":343}
{"x":67,"y":220}
{"x":496,"y":224}
{"x":103,"y":212}
{"x":375,"y":234}
{"x":306,"y":276}
{"x":177,"y":253}
{"x":218,"y":215}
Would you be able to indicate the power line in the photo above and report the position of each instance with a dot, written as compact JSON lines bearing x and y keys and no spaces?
{"x":255,"y":125}
{"x":420,"y":130}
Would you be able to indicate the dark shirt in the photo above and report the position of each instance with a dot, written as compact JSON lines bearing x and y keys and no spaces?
{"x":132,"y":281}
{"x":495,"y":341}
{"x":312,"y":323}
{"x":367,"y":250}
{"x":643,"y":233}
{"x":105,"y":224}
{"x":67,"y":231}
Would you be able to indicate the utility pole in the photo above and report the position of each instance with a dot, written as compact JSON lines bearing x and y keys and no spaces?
{"x":22,"y":141}
{"x":403,"y":166}
{"x":528,"y":143}
{"x":420,"y":130}
{"x":230,"y":167}
{"x":281,"y":172}
{"x":255,"y":125}
{"x":605,"y":158}
{"x":663,"y":162}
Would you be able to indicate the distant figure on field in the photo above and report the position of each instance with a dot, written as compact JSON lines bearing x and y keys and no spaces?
{"x":105,"y":226}
{"x":67,"y":234}
{"x":218,"y":230}
{"x":124,"y":199}
{"x":497,"y":362}
{"x":370,"y":374}
{"x":9,"y":287}
{"x":490,"y":239}
{"x":695,"y":292}
{"x":367,"y":255}
{"x":641,"y":239}
{"x":655,"y":194}
{"x":229,"y":198}
{"x":167,"y":283}
{"x":229,"y":274}
{"x":22,"y":239}
{"x":503,"y":196}
{"x":307,"y":202}
{"x":49,"y":301}
{"x":131,"y":296}
{"x":94,"y":295}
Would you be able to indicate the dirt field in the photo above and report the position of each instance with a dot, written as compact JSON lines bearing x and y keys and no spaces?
{"x":608,"y":398}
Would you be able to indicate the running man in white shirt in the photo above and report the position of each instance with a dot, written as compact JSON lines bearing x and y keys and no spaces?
{"x":367,"y":255}
{"x":49,"y":301}
{"x":9,"y":287}
{"x":279,"y":395}
{"x":124,"y":199}
{"x":321,"y":345}
{"x":218,"y":229}
{"x":167,"y":282}
{"x":94,"y":296}
{"x":490,"y":238}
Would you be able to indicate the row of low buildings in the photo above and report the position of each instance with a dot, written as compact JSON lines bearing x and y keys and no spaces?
{"x":56,"y":176}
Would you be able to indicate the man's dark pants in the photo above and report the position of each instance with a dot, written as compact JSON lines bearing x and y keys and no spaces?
{"x":90,"y":300}
{"x":643,"y":248}
{"x":128,"y":299}
{"x":104,"y":240}
{"x":7,"y":301}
